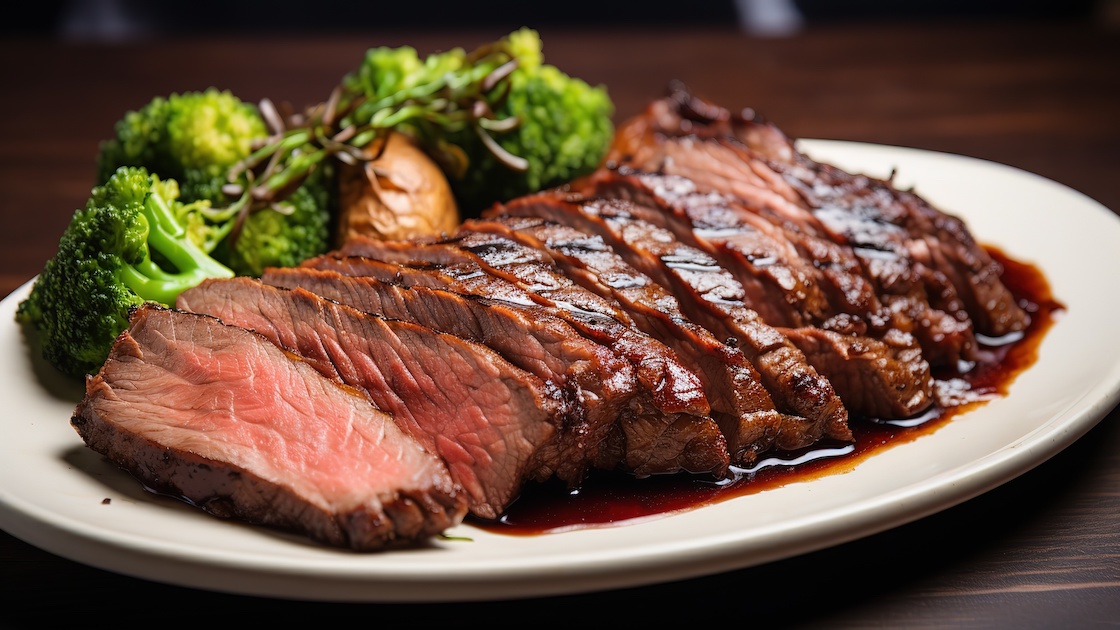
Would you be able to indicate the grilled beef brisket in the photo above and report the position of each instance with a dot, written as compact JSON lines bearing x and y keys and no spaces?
{"x":488,"y":420}
{"x":220,"y":417}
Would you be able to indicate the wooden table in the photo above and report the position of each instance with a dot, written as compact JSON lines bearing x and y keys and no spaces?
{"x":1041,"y":551}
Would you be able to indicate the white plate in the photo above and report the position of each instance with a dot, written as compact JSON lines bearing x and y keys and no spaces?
{"x":52,"y":487}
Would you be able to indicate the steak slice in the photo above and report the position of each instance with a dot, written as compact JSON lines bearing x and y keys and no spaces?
{"x":708,"y":296}
{"x":221,"y":418}
{"x":487,"y":419}
{"x":740,"y":404}
{"x":667,"y":425}
{"x":880,"y":378}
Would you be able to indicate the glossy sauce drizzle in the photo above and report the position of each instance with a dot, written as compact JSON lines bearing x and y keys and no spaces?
{"x":612,"y":499}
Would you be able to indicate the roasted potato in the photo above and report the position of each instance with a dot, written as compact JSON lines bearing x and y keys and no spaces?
{"x":399,"y":195}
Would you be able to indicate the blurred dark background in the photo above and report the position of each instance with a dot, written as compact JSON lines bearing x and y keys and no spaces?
{"x":124,"y":20}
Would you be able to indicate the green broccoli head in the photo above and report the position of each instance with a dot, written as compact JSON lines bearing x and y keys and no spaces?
{"x":288,"y":232}
{"x":191,"y":137}
{"x":79,"y":304}
{"x":125,"y":246}
{"x":564,"y":131}
{"x":388,"y":74}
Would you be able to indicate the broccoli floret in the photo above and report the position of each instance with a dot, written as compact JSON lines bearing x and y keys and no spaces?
{"x":291,"y":231}
{"x":389,"y":75}
{"x":124,"y":247}
{"x":564,"y":131}
{"x":202,"y":140}
{"x":194,"y":138}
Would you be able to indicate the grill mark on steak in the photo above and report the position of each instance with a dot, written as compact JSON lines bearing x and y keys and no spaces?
{"x":668,"y":426}
{"x":594,"y":383}
{"x":741,"y":405}
{"x":223,"y":419}
{"x":712,"y":298}
{"x":486,"y":418}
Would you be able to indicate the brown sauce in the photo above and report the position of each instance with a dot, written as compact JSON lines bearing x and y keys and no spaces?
{"x":612,"y":499}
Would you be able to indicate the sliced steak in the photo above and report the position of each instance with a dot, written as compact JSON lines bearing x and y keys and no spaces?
{"x":672,"y":387}
{"x":917,"y":295}
{"x":740,"y":403}
{"x":893,"y":369}
{"x":850,"y":332}
{"x":902,"y":238}
{"x":599,"y":385}
{"x":667,"y":426}
{"x":220,"y":417}
{"x":882,"y":378}
{"x":487,"y":419}
{"x":712,"y":298}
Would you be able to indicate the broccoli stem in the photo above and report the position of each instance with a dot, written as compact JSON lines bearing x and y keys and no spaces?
{"x":166,"y":236}
{"x":300,"y":166}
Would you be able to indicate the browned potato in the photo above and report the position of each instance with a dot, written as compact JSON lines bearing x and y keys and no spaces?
{"x":400,"y":195}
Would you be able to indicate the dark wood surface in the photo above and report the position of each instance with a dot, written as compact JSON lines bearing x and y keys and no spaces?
{"x":1041,"y":551}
